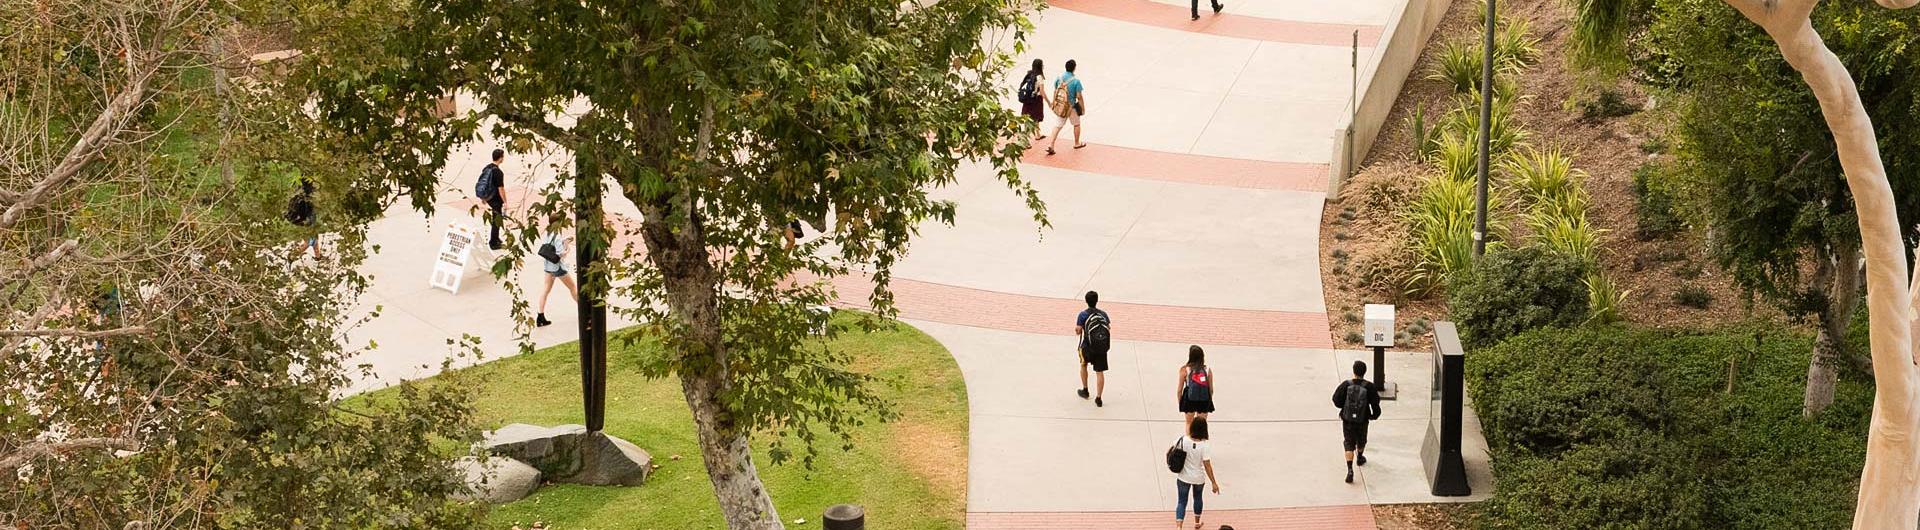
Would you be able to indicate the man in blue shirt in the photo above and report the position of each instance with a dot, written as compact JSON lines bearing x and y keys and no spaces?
{"x":1095,"y":329}
{"x":1076,"y":106}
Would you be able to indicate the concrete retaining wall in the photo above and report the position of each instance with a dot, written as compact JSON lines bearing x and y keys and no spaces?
{"x":1381,"y":78}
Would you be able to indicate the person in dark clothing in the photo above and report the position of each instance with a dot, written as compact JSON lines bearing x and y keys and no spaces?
{"x":1094,"y":328}
{"x":1359,"y":403}
{"x":1033,"y":101}
{"x":300,"y":212}
{"x":1217,"y":6}
{"x":497,"y":199}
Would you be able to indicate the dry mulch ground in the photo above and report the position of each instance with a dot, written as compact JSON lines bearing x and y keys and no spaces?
{"x":1445,"y":516}
{"x":1374,"y":240}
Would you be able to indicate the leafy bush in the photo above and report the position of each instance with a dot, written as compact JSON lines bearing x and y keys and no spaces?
{"x":1613,"y":427}
{"x":1456,"y":156}
{"x":1504,"y":129}
{"x":1607,"y":103}
{"x":1514,"y":47}
{"x":1514,"y":290}
{"x":1603,"y":298}
{"x":1565,"y":233}
{"x":1693,"y":296}
{"x":1458,"y":65}
{"x":1442,"y":239}
{"x":1652,"y":205}
{"x":1541,"y":174}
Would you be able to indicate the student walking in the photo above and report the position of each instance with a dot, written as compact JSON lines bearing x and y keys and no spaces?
{"x":1192,"y":459}
{"x":1069,"y":103}
{"x":1196,"y":8}
{"x":1359,"y":403}
{"x":492,"y":188}
{"x":1195,"y":390}
{"x":300,"y":212}
{"x":1095,"y":330}
{"x":1033,"y":97}
{"x":553,"y":249}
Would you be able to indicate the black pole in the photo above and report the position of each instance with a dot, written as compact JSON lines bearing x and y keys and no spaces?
{"x":1380,"y":368}
{"x":588,"y":241}
{"x":1486,"y":117}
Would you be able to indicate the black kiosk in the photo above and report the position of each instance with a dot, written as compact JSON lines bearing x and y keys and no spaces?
{"x":1446,"y":471}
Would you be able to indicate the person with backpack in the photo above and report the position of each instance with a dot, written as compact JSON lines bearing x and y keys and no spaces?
{"x":1359,"y":403}
{"x":1095,"y":329}
{"x":492,"y":187}
{"x":300,"y":212}
{"x":553,"y":249}
{"x":1191,"y":459}
{"x":1069,"y":103}
{"x":1195,"y":391}
{"x":1033,"y":97}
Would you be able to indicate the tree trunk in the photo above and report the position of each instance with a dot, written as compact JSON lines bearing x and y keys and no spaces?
{"x":1837,"y":273}
{"x":1889,"y":484}
{"x":736,"y":481}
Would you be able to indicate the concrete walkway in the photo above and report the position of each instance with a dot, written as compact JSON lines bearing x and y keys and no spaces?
{"x":1194,"y":212}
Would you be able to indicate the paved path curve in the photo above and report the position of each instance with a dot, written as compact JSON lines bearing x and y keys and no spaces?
{"x":1195,"y":212}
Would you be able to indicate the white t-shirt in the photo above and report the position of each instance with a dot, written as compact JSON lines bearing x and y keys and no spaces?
{"x":1198,"y":453}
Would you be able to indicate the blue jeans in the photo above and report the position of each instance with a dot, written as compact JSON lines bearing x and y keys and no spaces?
{"x":1180,"y":488}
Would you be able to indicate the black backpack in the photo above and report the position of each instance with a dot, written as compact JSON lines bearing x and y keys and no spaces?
{"x":1177,"y":457}
{"x":484,"y":189}
{"x":1027,"y":92}
{"x":547,"y":252}
{"x":1356,"y":408}
{"x":300,"y":210}
{"x":1199,"y":385}
{"x":1098,"y":331}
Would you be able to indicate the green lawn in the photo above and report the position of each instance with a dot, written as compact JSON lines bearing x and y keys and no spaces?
{"x":909,"y":474}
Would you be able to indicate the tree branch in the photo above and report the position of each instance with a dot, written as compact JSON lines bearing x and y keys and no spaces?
{"x":36,"y":450}
{"x":106,"y":126}
{"x":74,"y":333}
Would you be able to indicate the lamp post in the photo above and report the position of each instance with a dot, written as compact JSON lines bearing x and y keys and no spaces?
{"x":1486,"y":117}
{"x":589,"y":243}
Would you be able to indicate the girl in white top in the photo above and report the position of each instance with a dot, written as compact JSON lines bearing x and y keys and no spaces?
{"x":1196,"y":475}
{"x":554,"y":269}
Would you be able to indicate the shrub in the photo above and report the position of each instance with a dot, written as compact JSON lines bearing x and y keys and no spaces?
{"x":1504,"y":129}
{"x":1458,"y":65}
{"x":1566,"y":232}
{"x":1456,"y":156}
{"x":1422,"y":137}
{"x":1441,"y":220}
{"x":1541,"y":174}
{"x":1693,"y":296}
{"x":1510,"y":291}
{"x":1607,"y":103}
{"x":1514,"y":47}
{"x":1652,"y":205}
{"x":1355,"y":337}
{"x":1613,"y":427}
{"x":1603,"y":298}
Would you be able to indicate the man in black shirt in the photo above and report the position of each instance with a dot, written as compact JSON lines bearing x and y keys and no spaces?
{"x":495,"y":181}
{"x":1359,"y":403}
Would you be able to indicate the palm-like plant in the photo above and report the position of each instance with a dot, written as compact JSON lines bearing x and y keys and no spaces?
{"x":1541,"y":175}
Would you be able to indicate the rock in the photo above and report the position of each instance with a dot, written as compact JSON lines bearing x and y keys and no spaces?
{"x":568,"y":453}
{"x":498,"y":480}
{"x":607,"y":460}
{"x":552,"y":450}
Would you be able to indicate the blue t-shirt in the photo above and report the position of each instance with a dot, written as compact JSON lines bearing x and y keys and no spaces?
{"x":1081,"y":322}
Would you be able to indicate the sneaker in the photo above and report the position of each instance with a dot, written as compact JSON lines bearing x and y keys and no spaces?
{"x":1216,"y":7}
{"x":541,"y":320}
{"x":1098,"y":403}
{"x":1360,"y":460}
{"x":1349,"y":477}
{"x":1083,"y":393}
{"x":1196,"y":17}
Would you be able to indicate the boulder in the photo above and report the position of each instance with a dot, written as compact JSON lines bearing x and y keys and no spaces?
{"x":497,"y":480}
{"x":552,"y":450}
{"x":570,"y":454}
{"x":608,"y":460}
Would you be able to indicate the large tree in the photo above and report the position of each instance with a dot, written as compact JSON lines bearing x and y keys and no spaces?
{"x":1753,"y":158}
{"x":164,"y":362}
{"x":721,"y":122}
{"x":1889,"y":487}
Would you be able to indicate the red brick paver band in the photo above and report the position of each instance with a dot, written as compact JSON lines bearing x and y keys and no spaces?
{"x":1225,"y":24}
{"x":966,"y":306}
{"x":1349,"y":517}
{"x":1182,"y":167}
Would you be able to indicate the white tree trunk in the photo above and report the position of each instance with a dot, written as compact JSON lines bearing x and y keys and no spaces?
{"x":1890,"y":483}
{"x":736,"y":481}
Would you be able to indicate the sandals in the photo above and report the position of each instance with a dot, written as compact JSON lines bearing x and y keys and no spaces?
{"x":1079,"y":146}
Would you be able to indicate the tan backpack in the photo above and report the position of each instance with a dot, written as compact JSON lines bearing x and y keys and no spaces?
{"x":1059,"y":103}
